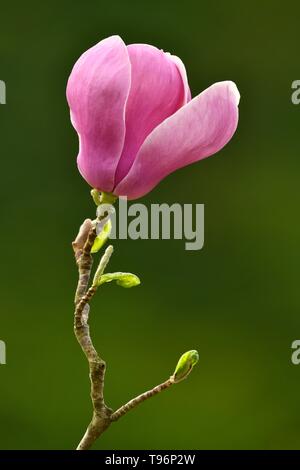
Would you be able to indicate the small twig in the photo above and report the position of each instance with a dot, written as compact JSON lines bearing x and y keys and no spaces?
{"x":140,"y":399}
{"x":103,"y":263}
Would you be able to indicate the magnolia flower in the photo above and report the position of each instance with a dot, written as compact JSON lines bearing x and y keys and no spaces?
{"x":132,"y":109}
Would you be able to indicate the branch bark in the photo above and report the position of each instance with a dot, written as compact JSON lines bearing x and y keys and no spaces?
{"x":103,"y":416}
{"x":101,"y":413}
{"x":140,"y":399}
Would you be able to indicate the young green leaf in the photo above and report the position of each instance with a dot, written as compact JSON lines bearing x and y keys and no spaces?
{"x":122,"y":279}
{"x":102,"y":237}
{"x":185,"y":365}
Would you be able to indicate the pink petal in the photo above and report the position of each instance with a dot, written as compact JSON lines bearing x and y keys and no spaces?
{"x":180,"y":65}
{"x":199,"y":129}
{"x":97,"y":91}
{"x":157,"y":91}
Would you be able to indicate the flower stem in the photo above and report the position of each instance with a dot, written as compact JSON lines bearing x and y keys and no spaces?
{"x":101,"y":413}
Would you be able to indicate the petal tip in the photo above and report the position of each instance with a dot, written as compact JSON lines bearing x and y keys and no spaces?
{"x":115,"y":37}
{"x":227,"y":87}
{"x":234,"y":91}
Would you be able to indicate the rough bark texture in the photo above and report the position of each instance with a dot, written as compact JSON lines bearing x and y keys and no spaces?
{"x":136,"y":401}
{"x":101,"y":413}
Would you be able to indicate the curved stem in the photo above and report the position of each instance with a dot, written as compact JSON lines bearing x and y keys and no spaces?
{"x":101,"y":413}
{"x":140,"y":399}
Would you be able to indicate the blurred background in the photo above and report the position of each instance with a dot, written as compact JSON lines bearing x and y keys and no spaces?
{"x":236,"y":301}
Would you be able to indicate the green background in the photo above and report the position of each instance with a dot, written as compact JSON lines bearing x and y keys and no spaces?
{"x":236,"y":301}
